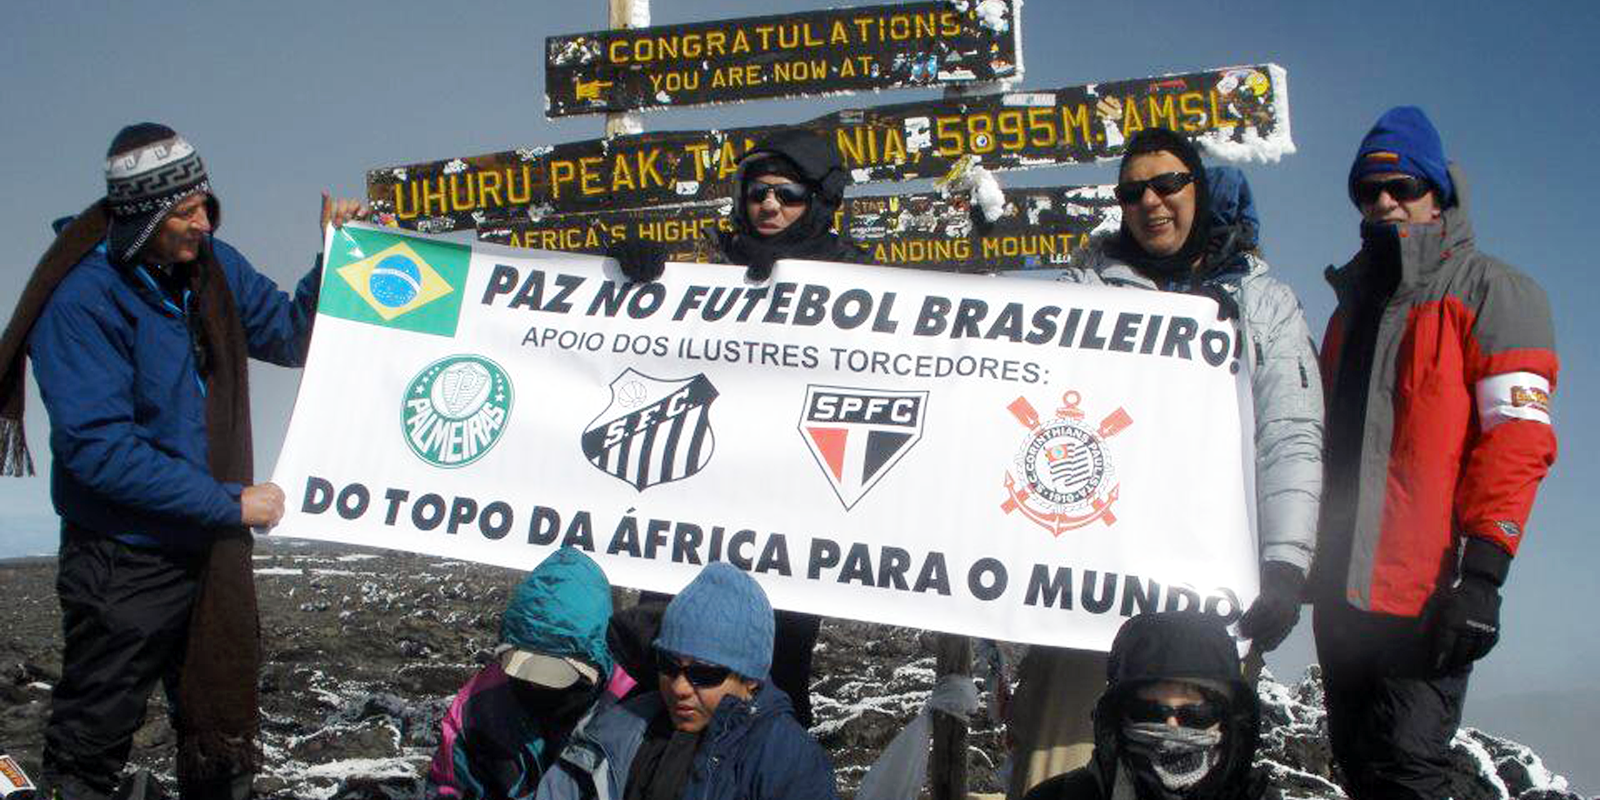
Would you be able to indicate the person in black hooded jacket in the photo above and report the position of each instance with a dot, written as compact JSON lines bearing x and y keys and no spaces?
{"x":1177,"y":721}
{"x":787,"y":189}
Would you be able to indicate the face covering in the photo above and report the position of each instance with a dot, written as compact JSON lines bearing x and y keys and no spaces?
{"x":1178,"y":757}
{"x":560,"y":706}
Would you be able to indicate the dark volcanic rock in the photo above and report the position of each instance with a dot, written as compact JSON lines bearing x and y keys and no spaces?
{"x":365,"y":650}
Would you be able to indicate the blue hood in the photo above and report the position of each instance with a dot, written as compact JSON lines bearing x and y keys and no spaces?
{"x":562,"y":609}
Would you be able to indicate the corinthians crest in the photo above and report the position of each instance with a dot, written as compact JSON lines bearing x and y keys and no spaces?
{"x":654,"y":431}
{"x":1063,"y":477}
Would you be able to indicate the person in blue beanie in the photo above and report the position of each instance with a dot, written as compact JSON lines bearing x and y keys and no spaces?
{"x":716,"y":729}
{"x":508,"y":723}
{"x":1440,"y":363}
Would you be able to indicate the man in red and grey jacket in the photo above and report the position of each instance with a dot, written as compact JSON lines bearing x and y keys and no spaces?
{"x":1439,"y":364}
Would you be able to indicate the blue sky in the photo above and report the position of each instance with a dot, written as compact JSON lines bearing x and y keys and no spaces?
{"x":285,"y":99}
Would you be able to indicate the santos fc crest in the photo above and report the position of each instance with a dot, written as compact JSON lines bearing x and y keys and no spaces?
{"x":654,"y":431}
{"x":1063,"y":477}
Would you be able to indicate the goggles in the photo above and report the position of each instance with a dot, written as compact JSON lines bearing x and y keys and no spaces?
{"x":1130,"y":192}
{"x":703,"y":676}
{"x":1190,"y":715}
{"x":789,"y":194}
{"x":1403,"y":189}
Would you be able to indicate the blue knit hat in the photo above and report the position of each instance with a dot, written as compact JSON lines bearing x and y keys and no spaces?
{"x":722,"y":617}
{"x":1403,"y":140}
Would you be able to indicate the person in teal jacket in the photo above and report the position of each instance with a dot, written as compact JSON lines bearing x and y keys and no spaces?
{"x":509,"y":722}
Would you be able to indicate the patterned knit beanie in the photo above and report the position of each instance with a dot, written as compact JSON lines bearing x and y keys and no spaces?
{"x":722,"y":617}
{"x":149,"y":169}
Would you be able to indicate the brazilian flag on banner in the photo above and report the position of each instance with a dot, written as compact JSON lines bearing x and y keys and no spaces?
{"x":393,"y":280}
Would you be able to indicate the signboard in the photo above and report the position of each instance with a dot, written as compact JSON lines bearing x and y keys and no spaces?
{"x":999,"y":458}
{"x":1039,"y":228}
{"x":1238,"y":113}
{"x":903,"y":45}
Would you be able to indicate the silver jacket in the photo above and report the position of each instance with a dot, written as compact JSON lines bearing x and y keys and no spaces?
{"x":1285,"y":384}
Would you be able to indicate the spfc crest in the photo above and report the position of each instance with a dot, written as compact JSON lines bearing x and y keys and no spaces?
{"x":655,"y":431}
{"x":857,"y":435}
{"x":1063,"y":476}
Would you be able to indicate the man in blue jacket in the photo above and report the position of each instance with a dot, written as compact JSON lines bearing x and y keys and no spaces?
{"x":140,"y":325}
{"x":716,"y":729}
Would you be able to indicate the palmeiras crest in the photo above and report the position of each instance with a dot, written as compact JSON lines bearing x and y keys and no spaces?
{"x":1063,"y":476}
{"x":857,"y":435}
{"x":654,"y":431}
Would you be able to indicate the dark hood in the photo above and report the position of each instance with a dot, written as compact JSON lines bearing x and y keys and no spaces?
{"x":1164,"y":269}
{"x":1179,"y":645}
{"x":1234,"y":227}
{"x":815,"y":162}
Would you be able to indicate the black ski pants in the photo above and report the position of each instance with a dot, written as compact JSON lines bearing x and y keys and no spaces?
{"x":1391,"y":715}
{"x":124,"y":621}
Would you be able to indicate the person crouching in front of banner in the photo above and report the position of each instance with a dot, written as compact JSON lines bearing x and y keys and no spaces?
{"x":1176,"y":722}
{"x":510,"y":721}
{"x":1189,"y":229}
{"x":715,"y":728}
{"x":140,"y":324}
{"x":789,"y":186}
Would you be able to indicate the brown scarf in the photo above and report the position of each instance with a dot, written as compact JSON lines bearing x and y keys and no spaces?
{"x":219,"y":711}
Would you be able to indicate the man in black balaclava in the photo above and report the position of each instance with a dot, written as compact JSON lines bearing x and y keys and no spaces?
{"x":1176,"y":722}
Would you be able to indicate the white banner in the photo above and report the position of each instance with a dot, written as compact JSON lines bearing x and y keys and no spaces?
{"x":1005,"y":458}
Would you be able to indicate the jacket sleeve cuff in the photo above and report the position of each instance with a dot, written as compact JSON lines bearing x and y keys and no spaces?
{"x":1292,"y":554}
{"x":1485,"y":559}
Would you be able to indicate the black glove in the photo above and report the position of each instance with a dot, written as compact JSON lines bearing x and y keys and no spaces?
{"x":1466,"y":616}
{"x":1227,"y":307}
{"x":760,"y":267}
{"x":1277,"y":609}
{"x":641,"y":259}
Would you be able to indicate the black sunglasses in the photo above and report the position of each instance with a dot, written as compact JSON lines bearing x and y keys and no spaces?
{"x":1403,"y":189}
{"x":1192,"y":715}
{"x":1166,"y":183}
{"x":701,"y":675}
{"x":789,"y":194}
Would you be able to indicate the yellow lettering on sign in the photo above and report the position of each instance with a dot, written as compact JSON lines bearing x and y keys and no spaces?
{"x":618,"y":51}
{"x":846,"y":69}
{"x":838,"y":35}
{"x":561,"y":171}
{"x":527,"y":184}
{"x":621,"y":174}
{"x":647,"y":168}
{"x":949,"y":24}
{"x":1079,"y":119}
{"x":899,"y":27}
{"x":894,"y":146}
{"x":700,"y":154}
{"x":489,"y":186}
{"x":766,"y":36}
{"x":811,"y":38}
{"x":1191,"y":105}
{"x":864,"y":24}
{"x":1130,"y":119}
{"x":716,"y":43}
{"x":740,"y":43}
{"x":589,"y":175}
{"x":1162,"y":112}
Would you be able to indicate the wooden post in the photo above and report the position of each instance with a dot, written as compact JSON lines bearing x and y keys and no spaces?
{"x":625,"y":122}
{"x":947,"y":766}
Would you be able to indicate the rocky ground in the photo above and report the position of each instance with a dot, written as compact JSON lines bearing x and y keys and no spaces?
{"x":366,"y":648}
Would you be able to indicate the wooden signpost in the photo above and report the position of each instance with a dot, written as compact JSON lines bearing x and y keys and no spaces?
{"x":1039,"y":229}
{"x":1232,"y":111}
{"x":902,"y":45}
